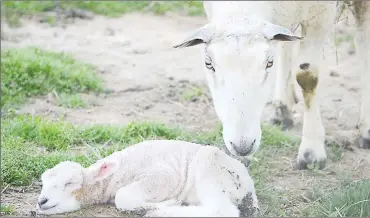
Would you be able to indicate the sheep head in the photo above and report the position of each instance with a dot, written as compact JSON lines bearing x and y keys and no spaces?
{"x":238,"y":61}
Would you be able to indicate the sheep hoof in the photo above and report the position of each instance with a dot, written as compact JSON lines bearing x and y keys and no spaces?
{"x":285,"y":123}
{"x":308,"y":162}
{"x":282,"y":116}
{"x":365,"y":142}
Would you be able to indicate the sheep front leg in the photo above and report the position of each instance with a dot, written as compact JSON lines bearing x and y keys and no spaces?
{"x":132,"y":197}
{"x":284,"y":95}
{"x":312,"y":147}
{"x":362,"y":40}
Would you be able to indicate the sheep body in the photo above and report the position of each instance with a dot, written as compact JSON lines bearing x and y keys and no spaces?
{"x":161,"y":175}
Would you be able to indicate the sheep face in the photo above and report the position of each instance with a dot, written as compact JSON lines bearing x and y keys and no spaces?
{"x":58,"y":185}
{"x":239,"y":56}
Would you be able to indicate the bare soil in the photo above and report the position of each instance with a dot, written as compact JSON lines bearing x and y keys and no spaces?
{"x":148,"y":80}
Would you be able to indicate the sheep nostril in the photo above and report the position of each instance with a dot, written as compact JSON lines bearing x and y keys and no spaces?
{"x":42,"y":201}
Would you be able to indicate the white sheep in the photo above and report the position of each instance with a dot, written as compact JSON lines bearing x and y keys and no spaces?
{"x":156,"y":175}
{"x":247,"y":47}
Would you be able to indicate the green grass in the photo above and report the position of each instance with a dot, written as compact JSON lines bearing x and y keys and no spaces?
{"x":349,"y":200}
{"x":22,"y":161}
{"x":27,"y":140}
{"x":28,"y":72}
{"x":106,"y":8}
{"x":24,"y":158}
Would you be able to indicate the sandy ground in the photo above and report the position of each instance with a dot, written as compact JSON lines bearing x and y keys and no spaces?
{"x":148,"y":79}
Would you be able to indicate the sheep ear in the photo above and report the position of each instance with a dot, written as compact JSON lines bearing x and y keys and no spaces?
{"x":102,"y":170}
{"x":201,"y":35}
{"x":279,"y":33}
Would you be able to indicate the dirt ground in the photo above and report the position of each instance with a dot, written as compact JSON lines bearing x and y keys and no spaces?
{"x":148,"y":78}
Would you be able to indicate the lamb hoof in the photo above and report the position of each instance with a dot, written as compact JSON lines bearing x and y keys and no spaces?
{"x":307,"y":162}
{"x":365,"y":142}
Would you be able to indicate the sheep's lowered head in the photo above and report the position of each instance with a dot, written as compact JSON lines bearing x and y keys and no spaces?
{"x":63,"y":184}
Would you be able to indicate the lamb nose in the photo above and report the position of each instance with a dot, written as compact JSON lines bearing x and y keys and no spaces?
{"x":42,"y":201}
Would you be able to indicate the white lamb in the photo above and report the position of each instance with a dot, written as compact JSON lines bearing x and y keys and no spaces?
{"x":158,"y":176}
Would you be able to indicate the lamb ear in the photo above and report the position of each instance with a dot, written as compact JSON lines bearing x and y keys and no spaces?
{"x":279,"y":33}
{"x":201,"y":35}
{"x":101,"y":170}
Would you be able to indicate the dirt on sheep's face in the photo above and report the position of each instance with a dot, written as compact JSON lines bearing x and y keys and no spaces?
{"x":92,"y":193}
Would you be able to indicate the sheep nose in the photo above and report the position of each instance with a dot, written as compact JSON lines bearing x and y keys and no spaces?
{"x":244,"y":148}
{"x":42,"y":201}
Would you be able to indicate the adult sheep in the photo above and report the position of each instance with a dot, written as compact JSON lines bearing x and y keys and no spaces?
{"x":159,"y":176}
{"x":244,"y":40}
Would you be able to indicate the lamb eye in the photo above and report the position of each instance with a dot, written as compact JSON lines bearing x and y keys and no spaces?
{"x":209,"y":66}
{"x":69,"y":183}
{"x":269,"y":64}
{"x":208,"y":63}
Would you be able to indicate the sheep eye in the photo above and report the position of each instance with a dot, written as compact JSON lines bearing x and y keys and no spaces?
{"x":269,"y":64}
{"x":69,"y":183}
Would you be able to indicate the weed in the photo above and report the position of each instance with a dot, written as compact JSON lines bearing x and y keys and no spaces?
{"x":6,"y":210}
{"x":71,"y":101}
{"x":193,"y":93}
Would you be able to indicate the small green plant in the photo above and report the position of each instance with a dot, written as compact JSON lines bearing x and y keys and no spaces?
{"x":194,"y":92}
{"x":71,"y":101}
{"x":340,"y":39}
{"x":6,"y":210}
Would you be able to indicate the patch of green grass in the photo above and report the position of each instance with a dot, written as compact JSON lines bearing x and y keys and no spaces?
{"x":22,"y":161}
{"x":350,"y":200}
{"x":6,"y":210}
{"x":46,"y":133}
{"x":108,"y":8}
{"x":29,"y":6}
{"x":28,"y":72}
{"x":334,"y":153}
{"x":24,"y":136}
{"x":272,"y":136}
{"x":71,"y":101}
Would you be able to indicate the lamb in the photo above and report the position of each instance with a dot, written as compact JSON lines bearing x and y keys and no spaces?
{"x":158,"y":176}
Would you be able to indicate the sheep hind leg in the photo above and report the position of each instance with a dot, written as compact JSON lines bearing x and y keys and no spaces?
{"x":284,"y":95}
{"x":362,"y":40}
{"x":213,"y":203}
